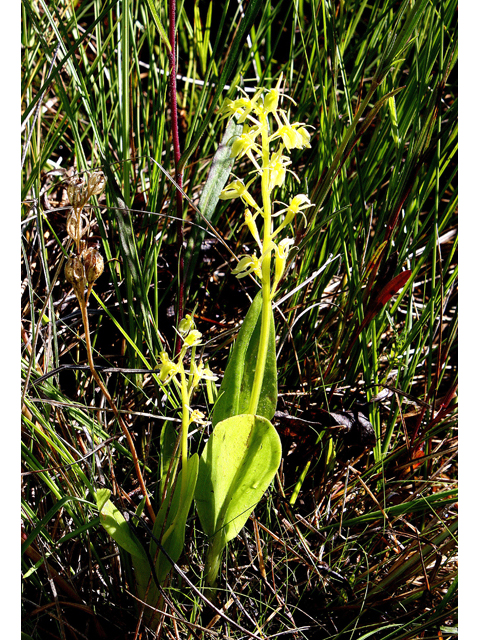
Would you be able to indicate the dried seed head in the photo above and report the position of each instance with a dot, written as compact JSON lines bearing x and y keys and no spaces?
{"x":96,"y":183}
{"x":76,"y":227}
{"x":75,"y":275}
{"x":93,"y":262}
{"x":77,"y":192}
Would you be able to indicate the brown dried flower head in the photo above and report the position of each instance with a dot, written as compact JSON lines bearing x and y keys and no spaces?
{"x":96,"y":183}
{"x":76,"y":226}
{"x":75,"y":274}
{"x":77,"y":192}
{"x":93,"y":262}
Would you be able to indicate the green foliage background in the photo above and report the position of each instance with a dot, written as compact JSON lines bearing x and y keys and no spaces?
{"x":378,"y":82}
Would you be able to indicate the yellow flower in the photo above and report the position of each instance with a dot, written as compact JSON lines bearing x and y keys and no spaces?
{"x":237,"y":189}
{"x":252,"y":226}
{"x":294,"y":136}
{"x":244,"y":145}
{"x":168,"y":368}
{"x":198,"y":417}
{"x":193,"y":339}
{"x":246,"y":265}
{"x":281,"y":255}
{"x":278,"y":169}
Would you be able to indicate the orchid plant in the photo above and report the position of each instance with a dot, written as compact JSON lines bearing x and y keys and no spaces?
{"x":243,"y":452}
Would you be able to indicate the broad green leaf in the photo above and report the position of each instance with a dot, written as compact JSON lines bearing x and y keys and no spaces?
{"x":237,"y":465}
{"x":237,"y":384}
{"x":116,"y":526}
{"x":170,"y":511}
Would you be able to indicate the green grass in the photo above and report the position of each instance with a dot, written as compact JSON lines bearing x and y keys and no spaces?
{"x":385,"y":190}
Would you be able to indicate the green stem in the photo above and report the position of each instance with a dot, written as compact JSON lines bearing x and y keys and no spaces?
{"x":266,"y":290}
{"x":184,"y":447}
{"x":214,"y":559}
{"x":185,"y":425}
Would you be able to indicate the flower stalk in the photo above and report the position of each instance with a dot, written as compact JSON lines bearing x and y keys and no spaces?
{"x":186,"y":383}
{"x":81,"y":271}
{"x":258,"y":115}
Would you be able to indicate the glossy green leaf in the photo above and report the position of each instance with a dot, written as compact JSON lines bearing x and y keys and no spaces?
{"x":237,"y":465}
{"x":237,"y":384}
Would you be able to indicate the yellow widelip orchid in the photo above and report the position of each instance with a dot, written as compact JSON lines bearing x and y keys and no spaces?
{"x":193,"y":338}
{"x":198,"y":417}
{"x":281,"y":255}
{"x":297,"y":205}
{"x":251,"y":224}
{"x":237,"y":189}
{"x":241,"y":107}
{"x":201,"y":372}
{"x":245,"y":145}
{"x":278,"y":169}
{"x":246,"y":265}
{"x":168,"y":368}
{"x":258,"y":115}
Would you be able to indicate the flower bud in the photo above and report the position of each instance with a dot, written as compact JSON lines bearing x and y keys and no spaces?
{"x":93,"y":262}
{"x":271,"y":101}
{"x":281,"y":255}
{"x":186,"y":324}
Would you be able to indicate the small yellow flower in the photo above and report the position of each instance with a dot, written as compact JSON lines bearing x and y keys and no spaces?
{"x":297,"y":204}
{"x":193,"y":339}
{"x":281,"y":255}
{"x":278,"y":169}
{"x":252,"y":226}
{"x":168,"y":368}
{"x":240,"y":108}
{"x":270,"y":102}
{"x":237,"y":189}
{"x":246,"y":265}
{"x":202,"y":372}
{"x":244,"y":145}
{"x":199,"y":418}
{"x":294,"y":136}
{"x":186,"y":324}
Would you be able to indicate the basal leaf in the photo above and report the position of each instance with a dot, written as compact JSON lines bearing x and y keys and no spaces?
{"x":237,"y":465}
